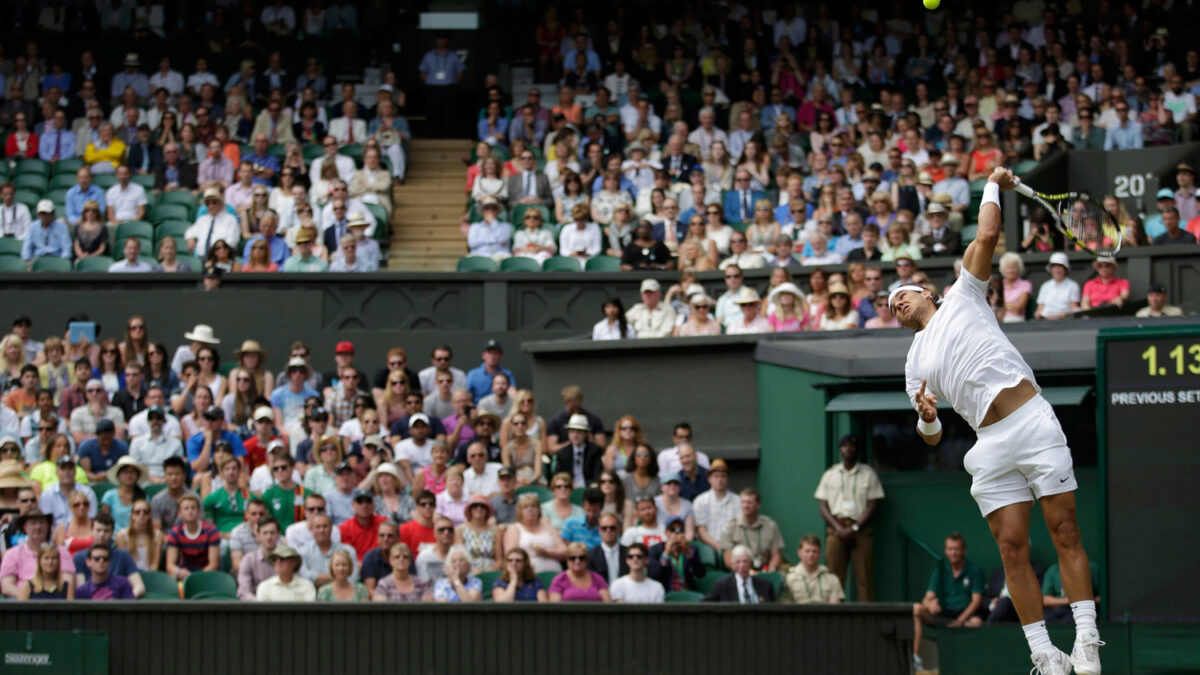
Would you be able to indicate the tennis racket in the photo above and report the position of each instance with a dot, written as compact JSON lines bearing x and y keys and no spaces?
{"x":1083,"y":220}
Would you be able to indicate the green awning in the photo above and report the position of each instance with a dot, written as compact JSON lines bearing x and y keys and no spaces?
{"x":897,"y":400}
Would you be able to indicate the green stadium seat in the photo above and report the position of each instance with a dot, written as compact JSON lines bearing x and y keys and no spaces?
{"x":544,"y":493}
{"x":165,"y":212}
{"x":577,"y":496}
{"x":603,"y":263}
{"x":182,"y":197}
{"x":159,"y":585}
{"x":977,"y":186}
{"x":683,"y":596}
{"x":195,"y":264}
{"x":560,"y":263}
{"x":709,"y":557}
{"x":31,"y":181}
{"x":10,"y":246}
{"x":1022,"y":168}
{"x":171,"y":228}
{"x":547,"y":578}
{"x":354,"y":151}
{"x":209,"y":586}
{"x":153,"y":489}
{"x":50,"y":263}
{"x":67,"y":167}
{"x":104,"y":180}
{"x":135,"y":228}
{"x":100,"y":488}
{"x":477,"y":263}
{"x":312,"y":152}
{"x":520,"y":264}
{"x":95,"y":263}
{"x":969,"y":232}
{"x":776,"y":580}
{"x":383,"y":227}
{"x":705,"y":583}
{"x":28,"y":198}
{"x":11,"y":263}
{"x":152,"y":199}
{"x":144,"y":179}
{"x":64,"y":181}
{"x":278,"y":151}
{"x":59,"y":197}
{"x":488,"y":579}
{"x":38,"y":167}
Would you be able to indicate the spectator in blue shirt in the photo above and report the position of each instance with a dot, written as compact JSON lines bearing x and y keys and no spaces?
{"x":130,"y":77}
{"x":83,"y":191}
{"x":266,"y":166}
{"x":479,"y":380}
{"x":268,"y":225}
{"x":1125,"y":134}
{"x":120,"y":563}
{"x":48,"y":237}
{"x":57,"y":143}
{"x":209,"y":438}
{"x":585,"y":529}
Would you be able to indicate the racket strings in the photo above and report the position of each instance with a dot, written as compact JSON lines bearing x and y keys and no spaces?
{"x":1092,"y":226}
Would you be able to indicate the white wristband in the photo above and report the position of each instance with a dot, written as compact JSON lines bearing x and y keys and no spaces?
{"x":929,"y":428}
{"x":991,"y":193}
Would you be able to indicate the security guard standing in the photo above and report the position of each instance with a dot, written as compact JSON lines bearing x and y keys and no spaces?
{"x":848,"y":494}
{"x":440,"y":71}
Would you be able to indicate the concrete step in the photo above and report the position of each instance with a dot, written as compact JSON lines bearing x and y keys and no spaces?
{"x":426,"y":232}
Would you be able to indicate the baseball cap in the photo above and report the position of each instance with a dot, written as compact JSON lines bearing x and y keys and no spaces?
{"x":848,"y":439}
{"x":66,"y":460}
{"x":155,"y":411}
{"x":342,"y":466}
{"x":264,"y":413}
{"x":1164,"y":193}
{"x":671,"y":477}
{"x":672,"y":520}
{"x":1059,"y":258}
{"x":493,"y":344}
{"x":418,"y":417}
{"x":359,"y":493}
{"x":344,"y":347}
{"x":105,"y":426}
{"x":214,"y":413}
{"x":651,"y":285}
{"x":506,"y":472}
{"x":1156,"y":288}
{"x":45,"y":206}
{"x":374,"y":439}
{"x":297,"y":362}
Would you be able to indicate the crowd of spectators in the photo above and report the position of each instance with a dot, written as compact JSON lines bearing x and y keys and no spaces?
{"x":824,"y":135}
{"x":251,"y":159}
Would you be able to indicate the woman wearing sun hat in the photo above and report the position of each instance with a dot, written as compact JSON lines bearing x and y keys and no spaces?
{"x":839,"y":315}
{"x":127,"y":475}
{"x":200,"y":336}
{"x":251,"y":357}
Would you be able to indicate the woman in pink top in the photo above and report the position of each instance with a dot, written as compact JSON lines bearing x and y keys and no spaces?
{"x":433,"y":477}
{"x":788,"y":311}
{"x":1017,"y":291}
{"x":578,"y":583}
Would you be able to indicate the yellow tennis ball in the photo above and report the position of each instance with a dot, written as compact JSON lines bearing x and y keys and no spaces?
{"x":932,"y":4}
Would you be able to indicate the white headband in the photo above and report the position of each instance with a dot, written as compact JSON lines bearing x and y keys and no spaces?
{"x":905,"y":287}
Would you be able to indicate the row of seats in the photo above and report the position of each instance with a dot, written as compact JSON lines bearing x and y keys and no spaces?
{"x":558,"y":263}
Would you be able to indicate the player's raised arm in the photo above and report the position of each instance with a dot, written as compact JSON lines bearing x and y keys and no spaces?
{"x":929,"y":426}
{"x":978,"y":257}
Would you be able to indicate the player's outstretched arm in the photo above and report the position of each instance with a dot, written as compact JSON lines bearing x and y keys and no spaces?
{"x":929,"y":428}
{"x":978,"y":257}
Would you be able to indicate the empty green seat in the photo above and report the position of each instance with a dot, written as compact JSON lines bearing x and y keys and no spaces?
{"x":28,"y":198}
{"x":520,"y":264}
{"x":709,"y":557}
{"x":683,"y":596}
{"x":135,"y":228}
{"x":67,"y":167}
{"x":51,"y":263}
{"x":104,"y":180}
{"x":547,"y":578}
{"x":95,"y":263}
{"x":144,"y":179}
{"x":543,"y":493}
{"x":488,"y":579}
{"x":312,"y":152}
{"x":705,"y":583}
{"x":182,"y":197}
{"x":10,"y":246}
{"x":159,"y":585}
{"x":99,"y":488}
{"x":477,"y":263}
{"x":39,"y":167}
{"x":353,"y":151}
{"x":560,"y":263}
{"x":10,"y":263}
{"x":165,"y":212}
{"x":171,"y":228}
{"x":209,"y":586}
{"x":59,"y":197}
{"x":36,"y":182}
{"x":603,"y":263}
{"x":65,"y":181}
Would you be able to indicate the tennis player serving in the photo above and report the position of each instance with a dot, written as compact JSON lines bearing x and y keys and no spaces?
{"x":960,"y":354}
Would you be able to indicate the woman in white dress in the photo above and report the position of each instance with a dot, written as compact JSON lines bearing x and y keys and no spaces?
{"x":613,"y":326}
{"x":545,"y":546}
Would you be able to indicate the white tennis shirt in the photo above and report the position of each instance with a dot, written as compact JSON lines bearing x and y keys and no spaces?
{"x":963,"y":355}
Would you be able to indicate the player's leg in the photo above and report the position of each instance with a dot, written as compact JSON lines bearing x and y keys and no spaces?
{"x":1059,"y":511}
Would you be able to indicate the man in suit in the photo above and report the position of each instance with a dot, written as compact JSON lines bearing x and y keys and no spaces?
{"x":348,"y":128}
{"x":675,"y":162}
{"x":274,"y":124}
{"x":941,"y":241}
{"x":739,"y":202}
{"x":673,"y":555}
{"x":776,"y":108}
{"x":144,"y":156}
{"x":529,"y":186}
{"x":845,"y":206}
{"x":740,"y":587}
{"x":580,"y":457}
{"x":608,"y":559}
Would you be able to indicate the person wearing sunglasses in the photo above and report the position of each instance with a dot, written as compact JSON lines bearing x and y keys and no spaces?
{"x":578,"y":583}
{"x":637,"y":586}
{"x":103,"y":584}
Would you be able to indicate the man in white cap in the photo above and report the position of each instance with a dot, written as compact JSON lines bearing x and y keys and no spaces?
{"x":490,"y":236}
{"x":201,"y":336}
{"x":366,"y":247}
{"x":1059,"y":295}
{"x":941,"y":240}
{"x":751,"y":321}
{"x":580,"y":457}
{"x":650,"y":317}
{"x":130,"y":77}
{"x":48,"y":237}
{"x":213,"y":223}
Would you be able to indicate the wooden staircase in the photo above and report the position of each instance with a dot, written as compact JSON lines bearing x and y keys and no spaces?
{"x":429,"y":207}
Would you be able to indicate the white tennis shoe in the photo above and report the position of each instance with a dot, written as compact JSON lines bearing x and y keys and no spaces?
{"x":1085,"y":656}
{"x":1052,"y":662}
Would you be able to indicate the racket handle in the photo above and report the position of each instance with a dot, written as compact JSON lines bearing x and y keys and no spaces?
{"x":1024,"y":189}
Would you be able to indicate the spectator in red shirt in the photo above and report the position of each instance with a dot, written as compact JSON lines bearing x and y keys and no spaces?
{"x":419,"y":530}
{"x":264,"y":433}
{"x":1106,"y":289}
{"x":193,"y":545}
{"x":362,"y":531}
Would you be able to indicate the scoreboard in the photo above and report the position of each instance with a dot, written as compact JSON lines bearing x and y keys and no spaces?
{"x":1148,"y":390}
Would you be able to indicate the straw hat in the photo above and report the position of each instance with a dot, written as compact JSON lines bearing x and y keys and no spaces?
{"x":125,"y":461}
{"x":389,"y":469}
{"x":838,"y":288}
{"x":10,"y":475}
{"x":250,"y":347}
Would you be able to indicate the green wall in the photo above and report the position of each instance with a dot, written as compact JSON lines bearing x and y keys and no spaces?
{"x":795,"y":452}
{"x":791,"y":432}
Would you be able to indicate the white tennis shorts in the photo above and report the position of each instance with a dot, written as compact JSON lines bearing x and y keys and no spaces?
{"x":1020,"y":458}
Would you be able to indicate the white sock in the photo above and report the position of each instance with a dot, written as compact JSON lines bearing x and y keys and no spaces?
{"x":1039,"y":639}
{"x":1084,"y":612}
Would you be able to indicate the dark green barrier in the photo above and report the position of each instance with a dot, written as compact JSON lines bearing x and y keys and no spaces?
{"x":69,"y":653}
